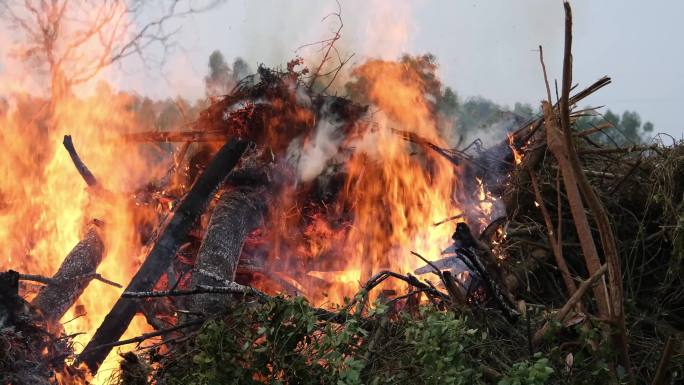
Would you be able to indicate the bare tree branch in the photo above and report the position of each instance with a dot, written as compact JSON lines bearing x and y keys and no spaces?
{"x":74,"y":40}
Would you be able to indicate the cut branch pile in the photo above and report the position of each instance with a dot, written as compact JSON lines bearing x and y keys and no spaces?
{"x":587,"y":279}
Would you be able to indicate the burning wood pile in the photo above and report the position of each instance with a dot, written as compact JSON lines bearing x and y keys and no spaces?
{"x":409,"y":253}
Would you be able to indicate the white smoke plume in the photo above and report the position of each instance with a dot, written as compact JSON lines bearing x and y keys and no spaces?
{"x":325,"y":144}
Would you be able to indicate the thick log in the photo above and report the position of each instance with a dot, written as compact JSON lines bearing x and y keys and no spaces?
{"x":237,"y":213}
{"x":162,"y":253}
{"x":75,"y":273}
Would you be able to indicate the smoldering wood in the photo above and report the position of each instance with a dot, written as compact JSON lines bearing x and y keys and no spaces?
{"x":10,"y":301}
{"x":457,"y":294}
{"x":75,"y":273}
{"x":164,"y":250}
{"x":483,"y":264}
{"x":238,"y":212}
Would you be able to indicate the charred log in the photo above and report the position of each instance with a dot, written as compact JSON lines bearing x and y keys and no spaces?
{"x":75,"y":273}
{"x":238,"y":212}
{"x":11,"y":304}
{"x":162,"y":253}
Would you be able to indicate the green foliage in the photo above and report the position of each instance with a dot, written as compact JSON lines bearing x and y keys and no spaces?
{"x":529,"y":373}
{"x":438,"y":343}
{"x":280,"y":342}
{"x":285,"y":342}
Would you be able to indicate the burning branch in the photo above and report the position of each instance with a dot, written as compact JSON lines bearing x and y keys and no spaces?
{"x":75,"y":273}
{"x":88,"y":176}
{"x":161,"y":255}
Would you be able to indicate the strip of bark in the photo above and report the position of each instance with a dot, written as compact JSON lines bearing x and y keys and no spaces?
{"x":555,"y":145}
{"x":162,"y":253}
{"x":75,"y":273}
{"x":606,"y":234}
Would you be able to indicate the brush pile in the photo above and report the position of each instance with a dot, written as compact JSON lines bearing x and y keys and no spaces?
{"x":575,"y":275}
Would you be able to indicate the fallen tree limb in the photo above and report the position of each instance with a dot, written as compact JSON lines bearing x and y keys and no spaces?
{"x":234,"y":288}
{"x":69,"y":282}
{"x":82,"y":169}
{"x":227,"y":288}
{"x":559,"y":151}
{"x":618,"y":150}
{"x":572,"y":302}
{"x":164,"y":250}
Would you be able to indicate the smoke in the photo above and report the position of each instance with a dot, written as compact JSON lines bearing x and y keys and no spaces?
{"x":324,"y":146}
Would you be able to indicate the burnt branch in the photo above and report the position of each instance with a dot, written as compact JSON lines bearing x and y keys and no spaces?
{"x":164,"y":250}
{"x":82,"y":169}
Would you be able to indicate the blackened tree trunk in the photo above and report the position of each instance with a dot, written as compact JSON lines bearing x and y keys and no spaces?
{"x":163,"y":252}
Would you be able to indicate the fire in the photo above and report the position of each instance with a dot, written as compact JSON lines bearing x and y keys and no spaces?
{"x":517,"y":156}
{"x":396,"y":196}
{"x":392,"y":194}
{"x":45,"y":205}
{"x":392,"y":191}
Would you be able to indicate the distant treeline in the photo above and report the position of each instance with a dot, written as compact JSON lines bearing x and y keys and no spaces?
{"x":462,"y":120}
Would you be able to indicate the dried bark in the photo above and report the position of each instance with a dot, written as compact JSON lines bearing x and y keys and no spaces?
{"x":162,"y":253}
{"x":576,"y":207}
{"x":606,"y":235}
{"x":75,"y":273}
{"x":237,"y":213}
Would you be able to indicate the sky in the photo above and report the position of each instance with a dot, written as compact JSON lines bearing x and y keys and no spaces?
{"x":484,"y":48}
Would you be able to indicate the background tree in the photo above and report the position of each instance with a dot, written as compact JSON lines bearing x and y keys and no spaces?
{"x":222,"y":78}
{"x":71,"y":41}
{"x":625,"y":130}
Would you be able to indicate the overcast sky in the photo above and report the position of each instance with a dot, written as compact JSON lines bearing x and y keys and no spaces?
{"x":486,"y":47}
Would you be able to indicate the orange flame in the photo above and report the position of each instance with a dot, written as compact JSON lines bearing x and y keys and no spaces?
{"x":517,"y":156}
{"x":44,"y":203}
